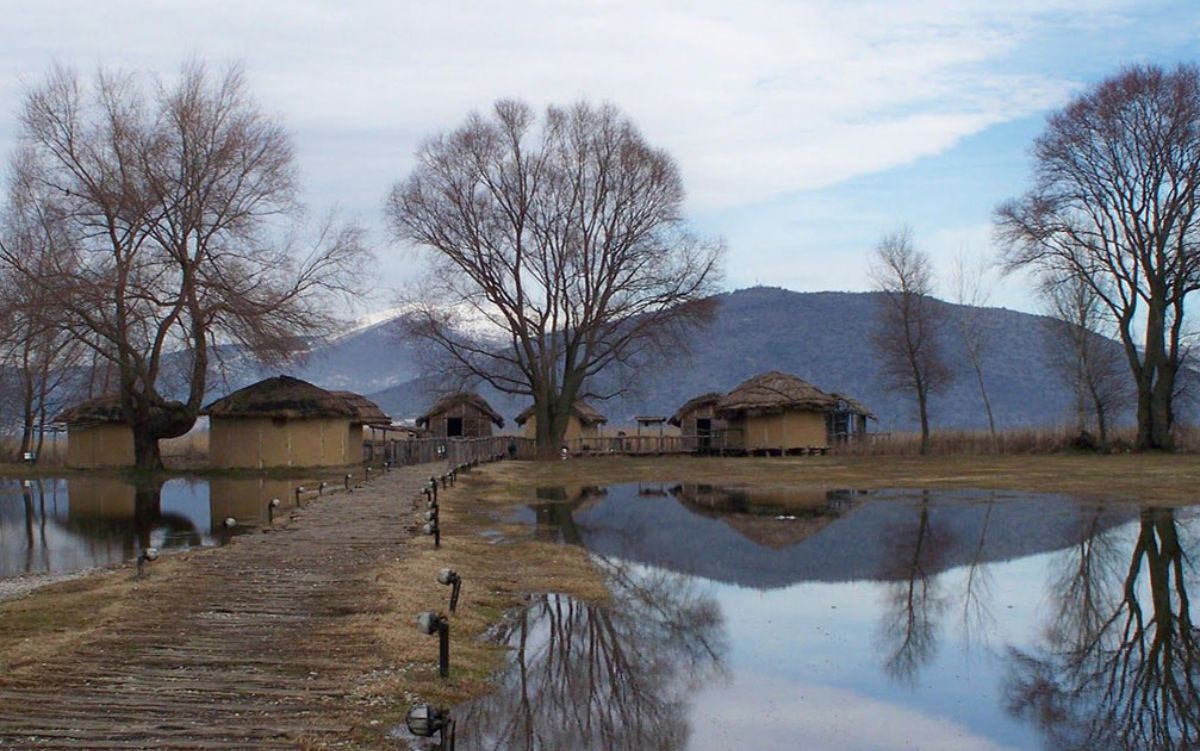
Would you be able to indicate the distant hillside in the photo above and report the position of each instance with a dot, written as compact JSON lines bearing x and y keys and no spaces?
{"x":823,"y":337}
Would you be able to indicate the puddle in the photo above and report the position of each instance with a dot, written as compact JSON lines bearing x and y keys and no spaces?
{"x":58,"y":526}
{"x":894,"y":620}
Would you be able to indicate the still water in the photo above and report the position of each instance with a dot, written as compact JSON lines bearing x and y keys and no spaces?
{"x":64,"y":525}
{"x":894,"y":620}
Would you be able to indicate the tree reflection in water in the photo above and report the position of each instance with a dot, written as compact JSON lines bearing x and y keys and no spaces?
{"x":913,"y":602}
{"x":1119,"y":668}
{"x":610,"y":676}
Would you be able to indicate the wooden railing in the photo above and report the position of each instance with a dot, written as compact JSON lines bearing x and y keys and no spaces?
{"x":716,"y":442}
{"x":400,"y":453}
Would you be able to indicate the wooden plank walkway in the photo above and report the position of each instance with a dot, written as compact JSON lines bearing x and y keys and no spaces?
{"x":243,"y":652}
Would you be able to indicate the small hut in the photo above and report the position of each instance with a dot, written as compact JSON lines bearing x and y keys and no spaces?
{"x":461,"y":415}
{"x":367,"y":416}
{"x":584,"y":422}
{"x":281,"y":422}
{"x":780,"y":413}
{"x":697,"y":421}
{"x":97,"y":434}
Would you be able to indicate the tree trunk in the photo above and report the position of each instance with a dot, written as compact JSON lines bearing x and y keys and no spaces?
{"x":922,"y":399}
{"x":146,"y":453}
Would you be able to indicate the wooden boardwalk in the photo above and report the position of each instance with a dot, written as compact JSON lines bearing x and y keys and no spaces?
{"x":248,"y":650}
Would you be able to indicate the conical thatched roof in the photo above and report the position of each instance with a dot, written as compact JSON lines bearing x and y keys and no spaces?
{"x":584,"y":412}
{"x":366,"y":412}
{"x":704,"y":400}
{"x":281,"y":397}
{"x":97,"y":411}
{"x":450,"y":401}
{"x":774,"y":392}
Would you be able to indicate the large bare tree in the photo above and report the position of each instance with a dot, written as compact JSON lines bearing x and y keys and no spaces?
{"x":909,"y":323}
{"x":566,"y":237}
{"x":179,"y":202}
{"x":1078,"y":345}
{"x":1116,"y":191}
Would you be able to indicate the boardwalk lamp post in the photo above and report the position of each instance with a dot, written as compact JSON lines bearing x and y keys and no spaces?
{"x":450,"y":578}
{"x":424,"y":720}
{"x":431,"y":623}
{"x":432,"y":528}
{"x":144,"y":557}
{"x":274,"y":504}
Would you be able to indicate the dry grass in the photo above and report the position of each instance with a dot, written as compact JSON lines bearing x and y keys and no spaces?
{"x":187,"y":451}
{"x":1158,"y":478}
{"x":499,"y":571}
{"x":1023,"y":441}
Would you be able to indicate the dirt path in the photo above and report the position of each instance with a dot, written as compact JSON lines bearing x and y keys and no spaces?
{"x":245,"y":646}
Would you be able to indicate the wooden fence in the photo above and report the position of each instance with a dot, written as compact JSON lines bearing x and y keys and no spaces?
{"x":400,"y":453}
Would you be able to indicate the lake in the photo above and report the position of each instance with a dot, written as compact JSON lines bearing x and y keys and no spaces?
{"x":61,"y":525}
{"x":788,"y":619}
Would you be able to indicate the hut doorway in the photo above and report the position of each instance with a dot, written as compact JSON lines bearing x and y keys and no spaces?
{"x":704,"y":433}
{"x":454,"y":427}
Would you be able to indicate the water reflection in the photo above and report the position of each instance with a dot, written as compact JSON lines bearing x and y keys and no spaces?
{"x":1118,"y":667}
{"x":613,"y":676}
{"x":964,"y":620}
{"x":63,"y":525}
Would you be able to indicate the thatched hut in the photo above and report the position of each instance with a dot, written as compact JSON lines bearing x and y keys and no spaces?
{"x":698,"y":422}
{"x":367,"y":416}
{"x":584,"y":422}
{"x":97,"y":434}
{"x":464,"y":414}
{"x":281,"y":422}
{"x":778,"y":412}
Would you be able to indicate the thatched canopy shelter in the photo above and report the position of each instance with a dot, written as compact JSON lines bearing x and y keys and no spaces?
{"x":463,"y":414}
{"x":97,"y":434}
{"x":366,"y":412}
{"x":282,"y":422}
{"x":779,"y":412}
{"x":584,"y":422}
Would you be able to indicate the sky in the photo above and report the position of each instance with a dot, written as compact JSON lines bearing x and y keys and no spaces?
{"x":805,"y":130}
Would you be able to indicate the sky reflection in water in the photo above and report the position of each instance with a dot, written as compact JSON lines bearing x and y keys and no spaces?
{"x":899,"y":620}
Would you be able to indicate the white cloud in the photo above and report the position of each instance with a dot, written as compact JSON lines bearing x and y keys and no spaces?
{"x":755,"y":98}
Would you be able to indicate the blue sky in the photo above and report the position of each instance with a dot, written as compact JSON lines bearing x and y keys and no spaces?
{"x":805,"y":130}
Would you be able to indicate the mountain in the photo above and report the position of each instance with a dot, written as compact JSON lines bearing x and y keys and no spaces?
{"x":823,"y":337}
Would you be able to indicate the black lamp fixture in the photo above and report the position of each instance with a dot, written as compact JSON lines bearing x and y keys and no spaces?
{"x":450,"y":578}
{"x":424,"y":720}
{"x":431,"y":623}
{"x":146,"y":556}
{"x":271,"y":506}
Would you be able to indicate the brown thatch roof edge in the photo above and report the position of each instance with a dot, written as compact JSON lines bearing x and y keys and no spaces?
{"x":280,"y":397}
{"x":366,"y":412}
{"x":97,"y":411}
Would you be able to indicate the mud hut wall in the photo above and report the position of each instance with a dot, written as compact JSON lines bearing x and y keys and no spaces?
{"x":98,"y":446}
{"x":786,"y":430}
{"x":354,"y":444}
{"x":260,"y":442}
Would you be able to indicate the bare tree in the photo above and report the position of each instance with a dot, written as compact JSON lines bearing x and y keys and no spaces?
{"x":907,"y":329}
{"x":1079,"y":347}
{"x":1117,"y":187}
{"x":37,"y":351}
{"x":174,"y":197}
{"x":972,"y":291}
{"x":565,"y":237}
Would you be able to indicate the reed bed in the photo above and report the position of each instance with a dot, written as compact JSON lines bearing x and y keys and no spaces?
{"x":1048,"y":440}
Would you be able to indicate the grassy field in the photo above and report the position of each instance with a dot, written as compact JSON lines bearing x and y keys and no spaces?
{"x":1151,"y":478}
